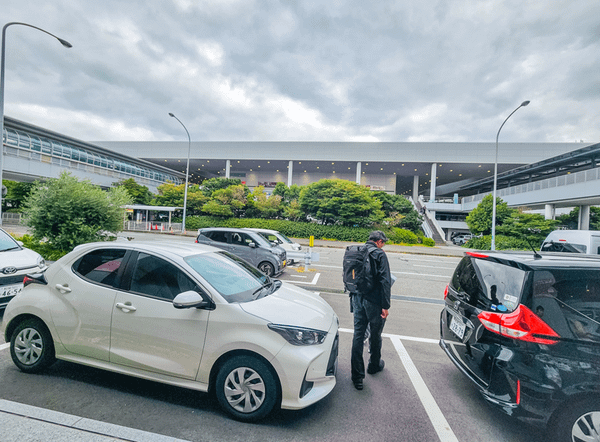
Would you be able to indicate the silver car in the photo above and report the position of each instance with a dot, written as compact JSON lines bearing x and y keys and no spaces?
{"x":250,"y":246}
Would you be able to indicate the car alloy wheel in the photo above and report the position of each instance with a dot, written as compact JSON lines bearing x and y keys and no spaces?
{"x":267,"y":268}
{"x":246,"y":388}
{"x":578,"y":422}
{"x":32,"y":349}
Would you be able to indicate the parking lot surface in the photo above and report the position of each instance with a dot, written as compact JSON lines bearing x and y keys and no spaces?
{"x":419,"y":396}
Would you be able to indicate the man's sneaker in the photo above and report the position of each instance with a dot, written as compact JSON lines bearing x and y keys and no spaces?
{"x":373,"y":370}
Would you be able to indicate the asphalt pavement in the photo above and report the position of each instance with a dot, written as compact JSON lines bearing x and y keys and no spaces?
{"x":20,"y":422}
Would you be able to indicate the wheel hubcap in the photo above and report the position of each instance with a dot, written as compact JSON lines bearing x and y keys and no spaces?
{"x":28,"y":346}
{"x":244,"y":390}
{"x":587,"y":428}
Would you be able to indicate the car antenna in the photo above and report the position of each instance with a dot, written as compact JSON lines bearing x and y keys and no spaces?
{"x":536,"y":255}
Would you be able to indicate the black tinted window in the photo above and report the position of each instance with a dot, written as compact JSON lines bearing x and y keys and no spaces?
{"x":489,"y":285}
{"x":568,"y":300}
{"x":156,"y":277}
{"x":100,"y":266}
{"x":216,"y":236}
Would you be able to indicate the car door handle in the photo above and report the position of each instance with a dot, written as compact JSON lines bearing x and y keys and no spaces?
{"x":127,"y":307}
{"x":63,"y":288}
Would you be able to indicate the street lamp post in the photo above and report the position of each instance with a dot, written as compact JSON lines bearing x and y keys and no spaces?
{"x":523,"y":104}
{"x":187,"y":172}
{"x":65,"y":43}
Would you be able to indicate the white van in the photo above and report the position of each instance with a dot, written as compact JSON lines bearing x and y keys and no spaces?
{"x":577,"y":241}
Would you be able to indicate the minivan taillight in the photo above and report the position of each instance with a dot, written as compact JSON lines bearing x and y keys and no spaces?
{"x":521,"y":324}
{"x":446,"y":291}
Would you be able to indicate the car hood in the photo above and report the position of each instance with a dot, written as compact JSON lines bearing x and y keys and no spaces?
{"x":292,"y":305}
{"x":21,"y":259}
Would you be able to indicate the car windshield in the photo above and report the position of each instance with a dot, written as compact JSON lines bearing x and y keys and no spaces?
{"x":7,"y":242}
{"x":233,"y":278}
{"x":285,"y":238}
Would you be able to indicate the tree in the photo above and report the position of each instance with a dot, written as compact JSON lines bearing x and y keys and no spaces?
{"x":571,"y":220}
{"x":139,"y":194}
{"x":231,"y":201}
{"x":531,"y":227}
{"x":16,"y":194}
{"x":172,"y":195}
{"x":480,"y":218}
{"x":342,"y":201}
{"x":393,"y":203}
{"x":287,"y":194}
{"x":264,"y":206}
{"x":68,"y":212}
{"x":213,"y":184}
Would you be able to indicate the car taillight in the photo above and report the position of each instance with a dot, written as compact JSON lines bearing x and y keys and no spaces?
{"x":446,"y":291}
{"x":38,"y":278}
{"x":522,"y":324}
{"x":477,"y":255}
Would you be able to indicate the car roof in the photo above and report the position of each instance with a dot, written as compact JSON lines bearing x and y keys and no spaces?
{"x":540,"y":260}
{"x":254,"y":229}
{"x":166,"y":248}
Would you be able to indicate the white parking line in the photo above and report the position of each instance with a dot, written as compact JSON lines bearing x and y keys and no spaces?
{"x":4,"y":346}
{"x":313,"y":282}
{"x":439,"y":422}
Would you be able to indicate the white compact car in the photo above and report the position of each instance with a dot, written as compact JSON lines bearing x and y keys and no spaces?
{"x":15,"y":262}
{"x":187,"y":315}
{"x":278,"y":238}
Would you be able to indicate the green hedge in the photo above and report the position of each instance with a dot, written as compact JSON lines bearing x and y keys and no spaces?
{"x":288,"y":228}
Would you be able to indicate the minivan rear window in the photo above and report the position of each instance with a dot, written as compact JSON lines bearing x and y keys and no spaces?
{"x":489,"y":285}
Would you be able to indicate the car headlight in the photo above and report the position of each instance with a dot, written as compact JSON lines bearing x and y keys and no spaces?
{"x":299,"y":335}
{"x":41,"y":263}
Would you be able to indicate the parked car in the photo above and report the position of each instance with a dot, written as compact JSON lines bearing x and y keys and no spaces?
{"x":280,"y":239}
{"x":15,"y":262}
{"x":268,"y":258}
{"x":574,"y":241}
{"x":192,"y":316}
{"x":525,"y":329}
{"x":461,"y":238}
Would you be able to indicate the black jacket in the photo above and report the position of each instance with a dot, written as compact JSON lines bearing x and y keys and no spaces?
{"x":381,"y":277}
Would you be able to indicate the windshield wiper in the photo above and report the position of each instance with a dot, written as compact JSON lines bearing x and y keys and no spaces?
{"x":256,"y":293}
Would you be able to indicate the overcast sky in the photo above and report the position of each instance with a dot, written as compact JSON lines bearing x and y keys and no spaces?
{"x":318,"y":70}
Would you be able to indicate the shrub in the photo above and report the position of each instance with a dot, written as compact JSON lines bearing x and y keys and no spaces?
{"x":429,"y":242}
{"x":502,"y":243}
{"x":403,"y":236}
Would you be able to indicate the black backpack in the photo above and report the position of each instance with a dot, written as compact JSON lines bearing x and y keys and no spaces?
{"x":357,"y":270}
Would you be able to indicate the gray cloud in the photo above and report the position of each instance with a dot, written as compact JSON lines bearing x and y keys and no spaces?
{"x":306,"y":70}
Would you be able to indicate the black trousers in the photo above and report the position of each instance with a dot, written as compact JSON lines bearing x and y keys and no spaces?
{"x":365,"y":313}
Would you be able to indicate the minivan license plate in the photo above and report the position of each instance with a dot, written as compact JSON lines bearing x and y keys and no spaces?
{"x":458,"y":328}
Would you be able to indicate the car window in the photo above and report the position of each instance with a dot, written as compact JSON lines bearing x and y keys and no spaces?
{"x":101,"y":266}
{"x":7,"y":242}
{"x":568,"y":300}
{"x":217,"y":235}
{"x":232,"y":277}
{"x":489,"y":285}
{"x":156,"y":277}
{"x":563,"y":247}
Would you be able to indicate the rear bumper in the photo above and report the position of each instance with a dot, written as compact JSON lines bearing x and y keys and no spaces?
{"x":535,"y":404}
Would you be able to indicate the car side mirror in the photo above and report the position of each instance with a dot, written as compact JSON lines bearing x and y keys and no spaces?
{"x":192,"y":299}
{"x":253,"y":245}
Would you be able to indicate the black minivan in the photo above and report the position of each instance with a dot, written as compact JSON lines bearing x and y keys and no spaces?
{"x":525,"y":328}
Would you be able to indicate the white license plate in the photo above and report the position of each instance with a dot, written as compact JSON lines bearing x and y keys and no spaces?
{"x":458,"y":328}
{"x":10,"y":290}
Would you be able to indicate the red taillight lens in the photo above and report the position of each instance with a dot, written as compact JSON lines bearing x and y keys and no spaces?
{"x":446,"y":291}
{"x":477,"y":255}
{"x":521,"y":324}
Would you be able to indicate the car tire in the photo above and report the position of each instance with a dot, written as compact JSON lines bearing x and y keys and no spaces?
{"x":267,"y":268}
{"x":246,"y":388}
{"x":578,"y":421}
{"x":31,"y":346}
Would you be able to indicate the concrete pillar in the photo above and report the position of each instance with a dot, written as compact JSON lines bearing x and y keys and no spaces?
{"x":584,"y":218}
{"x":432,"y":187}
{"x":358,"y":172}
{"x":290,"y":172}
{"x":227,"y":168}
{"x":415,"y":194}
{"x":550,"y":211}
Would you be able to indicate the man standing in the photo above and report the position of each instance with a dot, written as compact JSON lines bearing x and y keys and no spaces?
{"x":371,"y":309}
